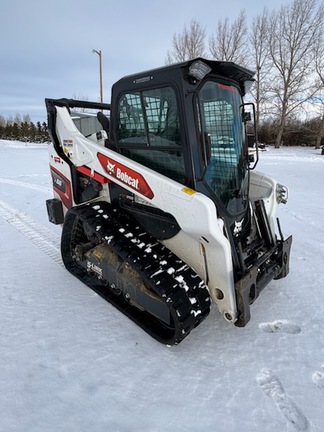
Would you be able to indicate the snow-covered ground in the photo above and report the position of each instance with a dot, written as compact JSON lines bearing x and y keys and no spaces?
{"x":70,"y":362}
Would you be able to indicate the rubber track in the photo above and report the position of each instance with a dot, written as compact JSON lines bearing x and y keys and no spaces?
{"x":176,"y":283}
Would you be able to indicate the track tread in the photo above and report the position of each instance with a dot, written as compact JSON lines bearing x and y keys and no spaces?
{"x":172,"y":280}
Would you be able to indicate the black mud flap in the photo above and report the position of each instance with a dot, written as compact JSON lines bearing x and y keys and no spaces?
{"x":55,"y":211}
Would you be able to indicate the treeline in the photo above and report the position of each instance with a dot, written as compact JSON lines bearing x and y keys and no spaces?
{"x":297,"y":132}
{"x":23,"y":129}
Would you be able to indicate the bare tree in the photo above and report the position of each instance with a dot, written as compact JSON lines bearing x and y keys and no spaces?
{"x":319,"y":68}
{"x":259,"y":43}
{"x":293,"y":32}
{"x":230,"y":41}
{"x":17,"y":118}
{"x":10,"y":121}
{"x":26,"y":118}
{"x":188,"y":44}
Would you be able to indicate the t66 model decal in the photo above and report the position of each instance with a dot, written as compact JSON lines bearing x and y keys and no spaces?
{"x":62,"y":186}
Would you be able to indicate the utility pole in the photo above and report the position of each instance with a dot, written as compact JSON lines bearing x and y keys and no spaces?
{"x":100,"y":72}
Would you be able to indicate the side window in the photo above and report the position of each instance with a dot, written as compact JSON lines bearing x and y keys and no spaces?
{"x":131,"y":126}
{"x":149,"y":131}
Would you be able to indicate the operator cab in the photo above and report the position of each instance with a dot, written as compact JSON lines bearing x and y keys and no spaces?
{"x":187,"y":122}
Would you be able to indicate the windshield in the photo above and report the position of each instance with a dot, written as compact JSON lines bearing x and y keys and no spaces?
{"x":221,"y":122}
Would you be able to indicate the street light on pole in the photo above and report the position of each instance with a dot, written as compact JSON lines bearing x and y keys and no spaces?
{"x":100,"y":72}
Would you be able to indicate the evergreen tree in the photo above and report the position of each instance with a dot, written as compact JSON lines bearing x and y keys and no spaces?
{"x":32,"y":132}
{"x":38,"y":137}
{"x":24,"y":132}
{"x":15,"y":134}
{"x":45,"y":135}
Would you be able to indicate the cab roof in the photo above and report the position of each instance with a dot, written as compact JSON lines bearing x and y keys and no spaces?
{"x":225,"y":69}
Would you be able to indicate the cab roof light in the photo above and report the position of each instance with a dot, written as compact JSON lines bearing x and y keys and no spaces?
{"x":199,"y":70}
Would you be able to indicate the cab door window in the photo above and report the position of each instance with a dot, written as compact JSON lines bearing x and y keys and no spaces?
{"x":149,"y":131}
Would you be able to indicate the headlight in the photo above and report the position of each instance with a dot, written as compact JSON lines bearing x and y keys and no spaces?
{"x":281,"y":193}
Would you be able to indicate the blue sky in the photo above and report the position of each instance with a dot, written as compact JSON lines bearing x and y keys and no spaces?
{"x":46,"y":46}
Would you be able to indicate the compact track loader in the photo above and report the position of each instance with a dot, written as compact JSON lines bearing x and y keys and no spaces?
{"x":160,"y":204}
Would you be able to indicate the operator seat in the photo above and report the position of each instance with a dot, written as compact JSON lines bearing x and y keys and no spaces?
{"x":104,"y":121}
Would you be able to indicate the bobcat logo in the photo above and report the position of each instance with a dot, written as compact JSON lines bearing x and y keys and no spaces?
{"x":110,"y":167}
{"x":238,"y":227}
{"x":125,"y":175}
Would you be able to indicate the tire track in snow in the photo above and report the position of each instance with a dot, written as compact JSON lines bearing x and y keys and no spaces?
{"x":25,"y":185}
{"x":47,"y":241}
{"x":273,"y":388}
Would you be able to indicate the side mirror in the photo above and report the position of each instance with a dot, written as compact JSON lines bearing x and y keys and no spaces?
{"x":252,"y":138}
{"x":251,"y":158}
{"x":246,"y":116}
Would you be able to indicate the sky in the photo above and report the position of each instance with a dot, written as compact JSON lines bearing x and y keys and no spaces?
{"x":46,"y":47}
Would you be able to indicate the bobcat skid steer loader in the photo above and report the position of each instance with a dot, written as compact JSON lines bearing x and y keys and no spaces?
{"x":161,"y":209}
